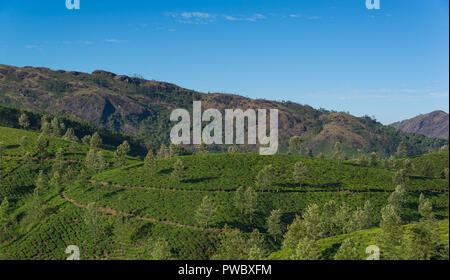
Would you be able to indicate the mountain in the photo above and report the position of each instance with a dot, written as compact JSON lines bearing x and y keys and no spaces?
{"x":139,"y":107}
{"x":434,"y":124}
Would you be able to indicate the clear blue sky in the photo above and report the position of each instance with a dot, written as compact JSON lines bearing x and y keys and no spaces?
{"x":391,"y":63}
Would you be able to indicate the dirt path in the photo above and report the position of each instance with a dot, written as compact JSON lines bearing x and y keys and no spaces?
{"x":114,"y":212}
{"x":102,"y":183}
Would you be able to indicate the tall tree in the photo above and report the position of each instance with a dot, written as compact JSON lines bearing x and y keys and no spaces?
{"x":42,"y":144}
{"x":163,"y":152}
{"x":348,"y":250}
{"x":338,"y":153}
{"x":274,"y":224}
{"x":202,"y":148}
{"x":251,"y":202}
{"x":2,"y":154}
{"x":307,"y":249}
{"x":206,"y":213}
{"x":24,"y":121}
{"x":402,"y":151}
{"x":96,"y":141}
{"x":239,"y":199}
{"x":295,"y":144}
{"x":24,"y":144}
{"x":300,"y":170}
{"x":265,"y":177}
{"x":373,"y":159}
{"x":150,"y":162}
{"x":255,"y":246}
{"x":178,"y":171}
{"x":160,"y":250}
{"x":4,"y":212}
{"x":391,"y":233}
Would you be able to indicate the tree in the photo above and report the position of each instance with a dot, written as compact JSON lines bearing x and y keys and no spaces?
{"x":348,"y":250}
{"x":423,"y":238}
{"x":178,"y":171}
{"x":42,"y":144}
{"x":70,"y":135}
{"x":57,"y":127}
{"x":206,"y":213}
{"x":265,"y":177}
{"x":373,"y":159}
{"x":300,"y":170}
{"x":4,"y":212}
{"x":96,"y":141}
{"x":427,"y":169}
{"x":444,"y":173}
{"x":59,"y":164}
{"x":295,"y":232}
{"x":307,"y":249}
{"x":160,"y":250}
{"x":408,"y":166}
{"x":163,"y":152}
{"x":338,"y":153}
{"x":239,"y":199}
{"x":24,"y":144}
{"x":41,"y":184}
{"x":312,"y":222}
{"x":56,"y":180}
{"x":46,"y":128}
{"x":397,"y":199}
{"x":123,"y":229}
{"x":274,"y":224}
{"x":232,"y":245}
{"x":255,"y":248}
{"x":202,"y":148}
{"x":402,"y":151}
{"x":295,"y":144}
{"x":2,"y":153}
{"x":444,"y":148}
{"x":391,"y":233}
{"x":174,"y":150}
{"x":400,"y":178}
{"x":24,"y":121}
{"x":94,"y":161}
{"x":121,"y":153}
{"x":91,"y":220}
{"x":150,"y":162}
{"x":362,"y":159}
{"x":86,"y":140}
{"x":251,"y":202}
{"x":232,"y":149}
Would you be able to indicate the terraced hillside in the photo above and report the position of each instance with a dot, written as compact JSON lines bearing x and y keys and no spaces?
{"x":133,"y":211}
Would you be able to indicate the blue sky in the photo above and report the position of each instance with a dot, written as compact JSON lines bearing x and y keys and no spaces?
{"x":391,"y":63}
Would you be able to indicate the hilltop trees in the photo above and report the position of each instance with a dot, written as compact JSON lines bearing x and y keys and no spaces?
{"x":348,"y":250}
{"x":307,"y":249}
{"x":206,"y":213}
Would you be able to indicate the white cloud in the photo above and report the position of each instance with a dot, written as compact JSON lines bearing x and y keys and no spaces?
{"x":193,"y":17}
{"x":252,"y":18}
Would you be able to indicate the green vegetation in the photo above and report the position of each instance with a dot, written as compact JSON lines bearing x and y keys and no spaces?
{"x":57,"y":190}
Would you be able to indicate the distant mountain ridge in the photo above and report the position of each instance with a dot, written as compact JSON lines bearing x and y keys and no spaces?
{"x":434,"y":124}
{"x":141,"y":108}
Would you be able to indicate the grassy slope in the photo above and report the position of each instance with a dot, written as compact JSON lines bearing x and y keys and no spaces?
{"x":365,"y":238}
{"x":64,"y":226}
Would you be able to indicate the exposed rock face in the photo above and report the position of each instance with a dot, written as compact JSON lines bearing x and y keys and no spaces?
{"x":434,"y":124}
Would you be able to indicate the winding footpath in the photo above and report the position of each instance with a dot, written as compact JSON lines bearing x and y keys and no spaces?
{"x":153,"y":220}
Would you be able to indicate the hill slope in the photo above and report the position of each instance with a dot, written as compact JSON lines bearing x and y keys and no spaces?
{"x":135,"y":106}
{"x":434,"y":124}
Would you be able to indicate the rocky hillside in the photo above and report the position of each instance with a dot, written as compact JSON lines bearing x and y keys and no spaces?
{"x":434,"y":124}
{"x":138,"y":107}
